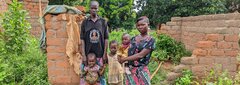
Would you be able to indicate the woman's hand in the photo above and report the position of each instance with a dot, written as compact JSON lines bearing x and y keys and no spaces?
{"x":121,"y":59}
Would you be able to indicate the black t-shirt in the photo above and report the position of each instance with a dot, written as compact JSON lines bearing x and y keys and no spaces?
{"x":94,"y":35}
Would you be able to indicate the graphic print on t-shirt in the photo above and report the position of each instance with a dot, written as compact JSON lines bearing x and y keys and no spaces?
{"x":94,"y":36}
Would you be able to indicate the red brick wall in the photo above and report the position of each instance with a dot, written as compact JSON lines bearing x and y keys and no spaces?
{"x":59,"y":69}
{"x":32,"y":6}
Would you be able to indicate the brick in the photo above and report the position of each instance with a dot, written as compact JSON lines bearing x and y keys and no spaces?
{"x":217,"y":52}
{"x":214,"y":37}
{"x":172,"y":76}
{"x":200,"y":52}
{"x":29,"y":6}
{"x":63,"y":80}
{"x":35,"y":10}
{"x":199,"y":36}
{"x":62,"y":34}
{"x":230,"y":68}
{"x":57,"y":25}
{"x":222,"y":60}
{"x":51,"y":33}
{"x":55,"y":56}
{"x":235,"y":46}
{"x":198,"y":68}
{"x":75,"y":80}
{"x":60,"y":17}
{"x":55,"y":41}
{"x":176,"y":19}
{"x":233,"y":60}
{"x":56,"y":72}
{"x":62,"y":64}
{"x":180,"y":68}
{"x":56,"y":49}
{"x":232,"y":53}
{"x":233,"y":23}
{"x":48,"y":17}
{"x":48,"y":25}
{"x":51,"y":64}
{"x":206,"y":61}
{"x":224,"y":45}
{"x":189,"y":60}
{"x":231,"y":38}
{"x":172,"y":23}
{"x":206,"y":44}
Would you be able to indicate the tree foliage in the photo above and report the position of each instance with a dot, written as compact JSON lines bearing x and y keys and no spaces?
{"x":119,"y":13}
{"x":233,"y":5}
{"x":160,"y":11}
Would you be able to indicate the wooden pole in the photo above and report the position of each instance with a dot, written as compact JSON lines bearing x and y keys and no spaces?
{"x":154,"y":73}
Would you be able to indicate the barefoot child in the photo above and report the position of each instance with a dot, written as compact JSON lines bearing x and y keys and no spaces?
{"x":115,"y":72}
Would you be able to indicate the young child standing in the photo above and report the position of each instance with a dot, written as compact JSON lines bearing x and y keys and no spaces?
{"x":123,"y":49}
{"x":115,"y":71}
{"x":91,"y":71}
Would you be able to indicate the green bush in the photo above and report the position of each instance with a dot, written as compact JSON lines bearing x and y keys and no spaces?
{"x":28,"y":68}
{"x":22,"y":62}
{"x":169,"y":49}
{"x":217,"y":77}
{"x":15,"y":28}
{"x":185,"y":79}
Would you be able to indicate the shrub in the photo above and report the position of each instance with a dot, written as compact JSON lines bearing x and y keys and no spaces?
{"x":22,"y":62}
{"x":185,"y":79}
{"x":29,"y":67}
{"x":169,"y":49}
{"x":15,"y":28}
{"x":218,"y":78}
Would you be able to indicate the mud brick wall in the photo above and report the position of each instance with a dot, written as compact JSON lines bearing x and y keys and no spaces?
{"x":32,"y":6}
{"x":190,"y":30}
{"x":213,"y":40}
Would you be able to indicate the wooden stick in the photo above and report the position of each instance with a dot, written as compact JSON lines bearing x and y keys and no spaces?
{"x":40,"y":8}
{"x":154,"y":73}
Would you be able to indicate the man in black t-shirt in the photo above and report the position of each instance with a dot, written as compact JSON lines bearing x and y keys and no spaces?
{"x":94,"y":35}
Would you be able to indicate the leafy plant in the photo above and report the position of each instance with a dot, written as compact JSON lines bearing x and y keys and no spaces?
{"x":218,"y":78}
{"x":185,"y":79}
{"x":27,"y":68}
{"x":22,"y":62}
{"x":15,"y":28}
{"x":170,"y":48}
